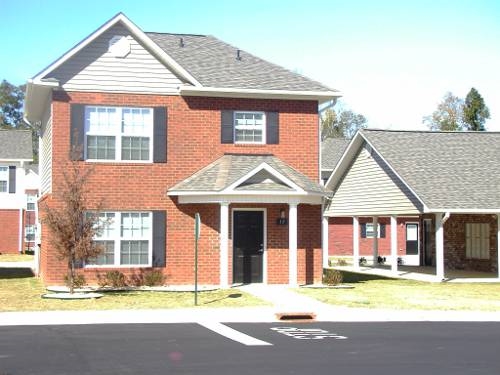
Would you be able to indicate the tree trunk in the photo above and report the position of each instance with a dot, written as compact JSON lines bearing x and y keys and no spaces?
{"x":71,"y":276}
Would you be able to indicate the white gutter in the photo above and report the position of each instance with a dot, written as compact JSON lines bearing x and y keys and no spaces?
{"x":445,"y":217}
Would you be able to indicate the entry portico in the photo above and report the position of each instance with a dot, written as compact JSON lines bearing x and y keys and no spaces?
{"x":439,"y":189}
{"x":277,"y":194}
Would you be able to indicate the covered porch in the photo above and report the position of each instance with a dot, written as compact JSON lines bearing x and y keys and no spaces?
{"x":268,"y":219}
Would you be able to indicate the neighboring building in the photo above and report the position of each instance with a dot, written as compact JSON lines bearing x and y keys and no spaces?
{"x":332,"y":150}
{"x":434,"y":197}
{"x":18,"y":192}
{"x":173,"y":125}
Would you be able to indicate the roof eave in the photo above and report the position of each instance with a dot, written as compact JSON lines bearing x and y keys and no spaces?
{"x":226,"y":92}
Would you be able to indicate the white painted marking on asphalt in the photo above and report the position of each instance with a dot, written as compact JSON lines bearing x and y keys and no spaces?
{"x":308,"y":333}
{"x":233,"y":334}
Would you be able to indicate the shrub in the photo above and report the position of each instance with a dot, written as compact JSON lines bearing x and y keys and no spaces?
{"x":332,"y":277}
{"x":153,"y":278}
{"x":114,"y":279}
{"x":78,"y":281}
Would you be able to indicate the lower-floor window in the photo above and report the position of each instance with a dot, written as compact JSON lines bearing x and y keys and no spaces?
{"x":126,"y":239}
{"x":477,"y":240}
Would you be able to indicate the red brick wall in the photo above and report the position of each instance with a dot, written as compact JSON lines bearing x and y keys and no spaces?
{"x":454,"y":243}
{"x":9,"y":231}
{"x":340,"y":236}
{"x":193,"y":142}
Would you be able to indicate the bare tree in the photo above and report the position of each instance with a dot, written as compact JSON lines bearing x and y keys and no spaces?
{"x":72,"y":224}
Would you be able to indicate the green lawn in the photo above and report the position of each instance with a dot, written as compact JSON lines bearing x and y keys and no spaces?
{"x":373,"y":292}
{"x":20,"y":291}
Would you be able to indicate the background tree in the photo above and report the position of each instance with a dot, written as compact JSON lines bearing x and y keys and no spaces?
{"x":72,"y":224}
{"x":341,"y":123}
{"x":448,"y":116}
{"x":475,"y":112}
{"x":11,"y":106}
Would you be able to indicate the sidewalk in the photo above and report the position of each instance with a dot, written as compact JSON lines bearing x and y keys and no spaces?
{"x":284,"y":300}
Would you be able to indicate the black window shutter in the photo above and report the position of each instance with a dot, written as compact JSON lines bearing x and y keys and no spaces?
{"x":226,"y":128}
{"x":12,"y":179}
{"x":272,"y":128}
{"x":160,"y":135}
{"x":363,"y":230}
{"x":159,"y":238}
{"x":77,"y":131}
{"x":382,"y":230}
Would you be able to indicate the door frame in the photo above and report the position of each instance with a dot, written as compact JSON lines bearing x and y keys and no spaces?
{"x":413,"y":259}
{"x":264,"y":239}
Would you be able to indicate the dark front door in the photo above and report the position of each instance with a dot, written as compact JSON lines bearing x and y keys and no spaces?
{"x":427,"y":242}
{"x":411,"y":239}
{"x":248,"y":246}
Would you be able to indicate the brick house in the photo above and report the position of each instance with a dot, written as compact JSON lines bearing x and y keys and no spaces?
{"x":18,"y":192}
{"x":425,"y":198}
{"x":175,"y":125}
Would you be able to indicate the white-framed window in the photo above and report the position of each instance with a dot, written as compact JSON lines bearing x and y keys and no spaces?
{"x":118,"y":134}
{"x":4,"y":179}
{"x":249,"y":127}
{"x":126,"y":238}
{"x":370,"y":232}
{"x":477,"y":241}
{"x":31,"y":202}
{"x":29,"y":232}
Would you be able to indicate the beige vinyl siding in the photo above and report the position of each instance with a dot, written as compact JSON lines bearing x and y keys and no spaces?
{"x":95,"y":69}
{"x":370,"y":188}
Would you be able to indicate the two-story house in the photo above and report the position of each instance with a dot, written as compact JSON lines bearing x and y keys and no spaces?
{"x":18,"y":192}
{"x":173,"y":125}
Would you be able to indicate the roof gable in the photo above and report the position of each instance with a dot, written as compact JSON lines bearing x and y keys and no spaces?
{"x":371,"y":188}
{"x":136,"y":32}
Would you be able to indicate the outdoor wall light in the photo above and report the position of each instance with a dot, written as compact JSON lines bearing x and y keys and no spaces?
{"x":282,"y":219}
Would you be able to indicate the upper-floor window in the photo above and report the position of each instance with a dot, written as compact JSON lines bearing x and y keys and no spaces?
{"x":118,"y":133}
{"x":30,"y":202}
{"x":249,"y":127}
{"x":4,"y":179}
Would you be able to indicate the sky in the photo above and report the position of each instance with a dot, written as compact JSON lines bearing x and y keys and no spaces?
{"x":393,"y":61}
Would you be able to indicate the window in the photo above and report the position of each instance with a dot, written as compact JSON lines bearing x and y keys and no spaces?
{"x":118,"y":133}
{"x":29,"y":231}
{"x":126,"y":238}
{"x":370,"y":233}
{"x":4,"y":179}
{"x":249,"y":127}
{"x":477,"y":241}
{"x":30,"y":202}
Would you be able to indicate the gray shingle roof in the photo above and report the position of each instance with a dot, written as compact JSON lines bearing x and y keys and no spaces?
{"x":331,"y":152}
{"x":229,"y":168}
{"x":16,"y":144}
{"x":447,"y":170}
{"x":214,"y":64}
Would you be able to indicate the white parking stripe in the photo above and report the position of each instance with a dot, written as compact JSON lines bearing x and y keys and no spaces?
{"x":233,"y":334}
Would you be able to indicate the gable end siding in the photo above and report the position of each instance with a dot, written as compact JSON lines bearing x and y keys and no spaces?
{"x":95,"y":69}
{"x":371,"y":188}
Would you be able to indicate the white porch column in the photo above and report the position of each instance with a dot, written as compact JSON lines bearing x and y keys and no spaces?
{"x":292,"y":244}
{"x":439,"y":246}
{"x":324,"y":240}
{"x":498,"y":244}
{"x":375,"y":240}
{"x":21,"y":231}
{"x":224,"y":238}
{"x":355,"y":242}
{"x":394,"y":244}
